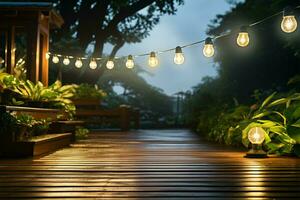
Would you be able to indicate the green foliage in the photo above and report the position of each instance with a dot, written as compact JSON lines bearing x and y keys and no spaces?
{"x":55,"y":95}
{"x":81,"y":133}
{"x":86,"y":91}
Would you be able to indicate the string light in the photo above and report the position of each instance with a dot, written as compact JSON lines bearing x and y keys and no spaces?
{"x":243,"y":37}
{"x":288,"y":25}
{"x":178,"y":58}
{"x":66,"y":61}
{"x":153,"y":61}
{"x":55,"y":59}
{"x":110,"y":64}
{"x":289,"y":22}
{"x":93,"y":64}
{"x":130,"y":63}
{"x":208,"y":49}
{"x":78,"y":63}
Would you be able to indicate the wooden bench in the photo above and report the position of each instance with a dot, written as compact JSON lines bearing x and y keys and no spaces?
{"x":86,"y":110}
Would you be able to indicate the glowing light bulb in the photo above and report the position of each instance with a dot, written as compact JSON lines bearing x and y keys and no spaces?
{"x":256,"y":135}
{"x":55,"y":59}
{"x":208,"y":49}
{"x":47,"y":55}
{"x":93,"y":64}
{"x":153,"y":61}
{"x":66,"y":61}
{"x":178,"y":58}
{"x":289,"y":22}
{"x":78,"y":63}
{"x":130,"y":62}
{"x":110,"y":64}
{"x":243,"y":37}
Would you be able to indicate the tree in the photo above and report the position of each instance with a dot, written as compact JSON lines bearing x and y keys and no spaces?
{"x":271,"y":58}
{"x":98,"y":22}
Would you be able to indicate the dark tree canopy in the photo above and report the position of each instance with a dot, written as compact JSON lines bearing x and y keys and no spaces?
{"x":271,"y":58}
{"x":94,"y":23}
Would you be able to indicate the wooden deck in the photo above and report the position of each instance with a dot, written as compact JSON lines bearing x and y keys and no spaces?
{"x":169,"y":164}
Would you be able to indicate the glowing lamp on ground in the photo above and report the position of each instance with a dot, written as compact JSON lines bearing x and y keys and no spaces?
{"x":130,"y":63}
{"x":110,"y":64}
{"x":208,"y":50}
{"x":93,"y":64}
{"x":289,"y":22}
{"x":178,"y":58}
{"x":55,"y":59}
{"x":78,"y":63}
{"x":66,"y":61}
{"x":153,"y":61}
{"x":243,"y":37}
{"x":256,"y":136}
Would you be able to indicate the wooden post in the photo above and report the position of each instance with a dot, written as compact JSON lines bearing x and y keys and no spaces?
{"x":136,"y":115}
{"x":124,"y":117}
{"x":11,"y":50}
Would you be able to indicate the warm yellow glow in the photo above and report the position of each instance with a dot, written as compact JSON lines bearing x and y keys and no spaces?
{"x":66,"y":61}
{"x":153,"y":61}
{"x":78,"y":63}
{"x":289,"y":23}
{"x":110,"y":64}
{"x":208,"y":50}
{"x":243,"y":39}
{"x":129,"y":63}
{"x":55,"y":59}
{"x":256,"y":135}
{"x":47,"y":55}
{"x":178,"y":58}
{"x":93,"y":64}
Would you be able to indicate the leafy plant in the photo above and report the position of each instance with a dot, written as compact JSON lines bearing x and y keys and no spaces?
{"x":280,"y":118}
{"x":86,"y":91}
{"x":81,"y":133}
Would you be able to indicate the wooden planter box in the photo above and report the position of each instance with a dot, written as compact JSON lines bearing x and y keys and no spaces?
{"x":36,"y":147}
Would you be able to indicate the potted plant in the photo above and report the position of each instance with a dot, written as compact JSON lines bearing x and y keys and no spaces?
{"x":85,"y":94}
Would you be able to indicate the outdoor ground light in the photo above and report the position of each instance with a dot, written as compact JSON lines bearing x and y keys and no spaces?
{"x":66,"y":61}
{"x":55,"y":59}
{"x":130,"y":63}
{"x":110,"y":64}
{"x":208,"y":49}
{"x":93,"y":64}
{"x":243,"y":37}
{"x":289,"y":22}
{"x":256,"y":136}
{"x":153,"y":61}
{"x":78,"y":63}
{"x":178,"y":58}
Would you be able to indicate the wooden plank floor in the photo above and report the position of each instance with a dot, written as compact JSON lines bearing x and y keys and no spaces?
{"x":162,"y":164}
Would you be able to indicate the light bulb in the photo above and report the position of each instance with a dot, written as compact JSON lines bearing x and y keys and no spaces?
{"x":178,"y":58}
{"x":47,"y":55}
{"x":55,"y":59}
{"x":256,"y":135}
{"x":78,"y":63}
{"x":208,"y":49}
{"x":110,"y":64}
{"x":289,"y":24}
{"x":66,"y":61}
{"x":130,"y":62}
{"x":93,"y":64}
{"x":153,"y":61}
{"x":243,"y":37}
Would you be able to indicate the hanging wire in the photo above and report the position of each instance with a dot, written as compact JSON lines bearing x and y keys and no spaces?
{"x":172,"y":49}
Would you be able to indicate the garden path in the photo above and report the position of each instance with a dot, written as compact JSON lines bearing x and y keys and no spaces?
{"x":145,"y":164}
